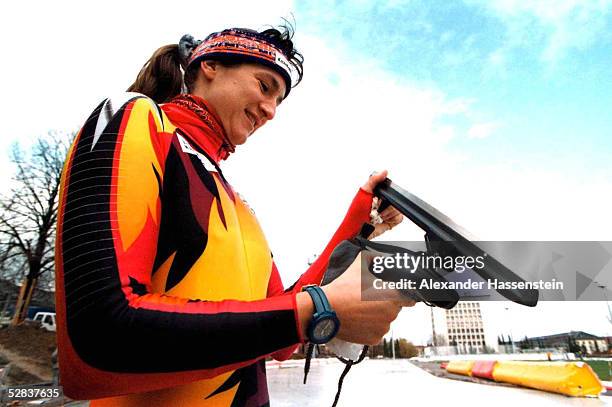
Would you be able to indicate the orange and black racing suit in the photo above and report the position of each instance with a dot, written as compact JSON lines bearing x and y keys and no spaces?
{"x":166,"y":290}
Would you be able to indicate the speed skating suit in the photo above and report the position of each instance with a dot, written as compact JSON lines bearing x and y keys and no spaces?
{"x":166,"y":290}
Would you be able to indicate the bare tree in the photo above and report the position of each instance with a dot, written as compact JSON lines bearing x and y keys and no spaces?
{"x":28,"y":216}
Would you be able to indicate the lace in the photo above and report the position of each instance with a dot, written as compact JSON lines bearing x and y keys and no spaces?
{"x":348,"y":362}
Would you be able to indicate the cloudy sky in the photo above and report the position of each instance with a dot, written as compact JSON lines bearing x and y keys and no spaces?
{"x":493,"y":111}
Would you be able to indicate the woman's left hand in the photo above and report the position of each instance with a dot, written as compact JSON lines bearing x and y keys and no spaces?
{"x":389,"y":217}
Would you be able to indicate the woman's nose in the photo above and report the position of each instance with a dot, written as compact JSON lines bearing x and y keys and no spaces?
{"x":268,"y":107}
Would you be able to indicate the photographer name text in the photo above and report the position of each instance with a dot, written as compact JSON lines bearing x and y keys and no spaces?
{"x":490,"y":284}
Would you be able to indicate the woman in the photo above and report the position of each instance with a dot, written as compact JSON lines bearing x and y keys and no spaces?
{"x":167,"y":293}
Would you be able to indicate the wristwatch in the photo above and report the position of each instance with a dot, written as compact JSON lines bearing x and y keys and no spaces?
{"x":324,"y":324}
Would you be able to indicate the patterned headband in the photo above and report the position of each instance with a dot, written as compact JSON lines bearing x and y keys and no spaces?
{"x":240,"y":45}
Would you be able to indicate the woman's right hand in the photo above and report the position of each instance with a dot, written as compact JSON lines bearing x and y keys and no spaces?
{"x":364,"y":322}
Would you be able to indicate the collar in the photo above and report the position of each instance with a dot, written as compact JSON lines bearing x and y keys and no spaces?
{"x":198,"y":119}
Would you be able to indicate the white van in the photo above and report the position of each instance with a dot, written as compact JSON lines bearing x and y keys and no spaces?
{"x":46,"y":319}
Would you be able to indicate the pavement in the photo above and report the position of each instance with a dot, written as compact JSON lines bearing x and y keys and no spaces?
{"x":401,"y":383}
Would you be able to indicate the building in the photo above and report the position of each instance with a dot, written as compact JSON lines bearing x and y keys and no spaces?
{"x":459,"y":330}
{"x":465,"y":329}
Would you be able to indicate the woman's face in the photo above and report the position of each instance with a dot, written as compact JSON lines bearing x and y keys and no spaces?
{"x":244,"y":96}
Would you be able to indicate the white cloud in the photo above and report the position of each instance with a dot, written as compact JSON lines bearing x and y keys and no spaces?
{"x":552,"y":27}
{"x":482,"y":130}
{"x":495,"y":64}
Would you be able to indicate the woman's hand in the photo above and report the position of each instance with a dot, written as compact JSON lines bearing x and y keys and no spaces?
{"x":389,"y":217}
{"x":375,"y":179}
{"x":364,"y":322}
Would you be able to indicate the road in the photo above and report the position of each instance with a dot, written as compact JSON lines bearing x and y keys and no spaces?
{"x":399,"y":383}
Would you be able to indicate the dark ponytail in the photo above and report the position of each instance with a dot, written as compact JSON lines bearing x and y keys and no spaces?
{"x":161,"y":77}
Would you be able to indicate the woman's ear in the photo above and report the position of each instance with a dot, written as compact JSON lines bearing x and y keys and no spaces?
{"x":209,"y":68}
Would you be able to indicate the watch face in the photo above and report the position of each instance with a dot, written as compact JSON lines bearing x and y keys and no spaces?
{"x":324,"y":329}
